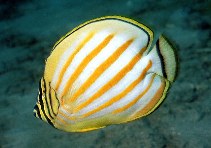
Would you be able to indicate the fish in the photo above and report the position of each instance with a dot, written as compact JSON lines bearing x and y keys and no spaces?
{"x":104,"y":72}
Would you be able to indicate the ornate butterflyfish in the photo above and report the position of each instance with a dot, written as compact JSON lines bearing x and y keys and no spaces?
{"x":105,"y":71}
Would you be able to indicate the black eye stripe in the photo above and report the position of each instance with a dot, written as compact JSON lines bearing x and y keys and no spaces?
{"x":40,"y":91}
{"x":43,"y":110}
{"x":50,"y":98}
{"x":40,"y":100}
{"x":46,"y":102}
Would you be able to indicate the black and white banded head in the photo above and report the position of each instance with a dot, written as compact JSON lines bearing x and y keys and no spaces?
{"x":47,"y":104}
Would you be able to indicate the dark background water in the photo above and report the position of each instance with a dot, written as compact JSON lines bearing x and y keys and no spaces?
{"x":28,"y":30}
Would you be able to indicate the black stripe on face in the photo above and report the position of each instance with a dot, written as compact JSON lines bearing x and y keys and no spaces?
{"x":161,"y":59}
{"x":50,"y":98}
{"x":43,"y":110}
{"x":42,"y":105}
{"x":46,"y":102}
{"x":40,"y":91}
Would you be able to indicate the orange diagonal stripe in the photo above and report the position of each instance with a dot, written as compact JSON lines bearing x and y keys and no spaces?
{"x":136,"y":99}
{"x":100,"y":69}
{"x":120,"y":95}
{"x":154,"y":100}
{"x":110,"y":84}
{"x":69,"y":60}
{"x":85,"y":62}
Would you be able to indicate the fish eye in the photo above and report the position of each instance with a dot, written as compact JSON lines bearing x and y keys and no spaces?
{"x":43,"y":96}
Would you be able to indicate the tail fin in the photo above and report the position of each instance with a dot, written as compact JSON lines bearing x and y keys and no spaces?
{"x":164,"y":59}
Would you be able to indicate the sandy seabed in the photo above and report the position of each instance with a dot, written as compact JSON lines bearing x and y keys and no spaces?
{"x":28,"y":31}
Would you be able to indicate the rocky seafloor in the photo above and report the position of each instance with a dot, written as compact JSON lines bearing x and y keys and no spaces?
{"x":28,"y":31}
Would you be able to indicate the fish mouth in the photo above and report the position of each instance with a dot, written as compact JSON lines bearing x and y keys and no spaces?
{"x":35,"y":111}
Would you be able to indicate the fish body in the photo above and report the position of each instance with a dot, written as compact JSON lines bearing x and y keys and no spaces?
{"x":104,"y":72}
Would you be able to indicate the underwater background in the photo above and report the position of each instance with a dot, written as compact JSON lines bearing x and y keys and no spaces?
{"x":28,"y":31}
